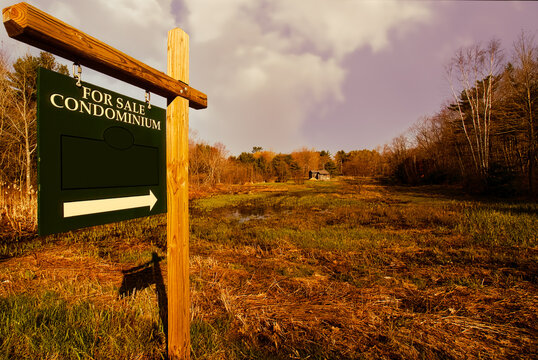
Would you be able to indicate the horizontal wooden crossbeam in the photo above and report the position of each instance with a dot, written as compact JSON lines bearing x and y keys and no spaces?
{"x":32,"y":26}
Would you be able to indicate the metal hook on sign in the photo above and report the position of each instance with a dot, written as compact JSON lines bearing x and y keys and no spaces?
{"x":148,"y":99}
{"x":79,"y":75}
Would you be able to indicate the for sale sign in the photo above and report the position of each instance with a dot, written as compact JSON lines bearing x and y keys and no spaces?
{"x":101,"y":155}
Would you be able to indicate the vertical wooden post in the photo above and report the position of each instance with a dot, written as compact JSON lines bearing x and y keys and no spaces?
{"x":177,"y":162}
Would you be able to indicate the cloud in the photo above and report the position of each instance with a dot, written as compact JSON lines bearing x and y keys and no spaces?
{"x":208,"y":19}
{"x":268,"y":66}
{"x":266,"y":101}
{"x":343,"y":27}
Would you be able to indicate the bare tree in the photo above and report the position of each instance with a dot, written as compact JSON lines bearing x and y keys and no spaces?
{"x":12,"y":150}
{"x":22,"y":121}
{"x":215,"y":159}
{"x":206,"y":162}
{"x":474,"y":71}
{"x":18,"y":98}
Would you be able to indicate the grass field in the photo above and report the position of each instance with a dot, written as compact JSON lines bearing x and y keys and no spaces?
{"x":346,"y":269}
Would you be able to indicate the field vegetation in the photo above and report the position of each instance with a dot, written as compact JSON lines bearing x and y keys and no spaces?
{"x":344,"y":269}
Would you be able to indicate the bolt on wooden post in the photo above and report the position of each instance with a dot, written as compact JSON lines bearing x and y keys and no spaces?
{"x":177,"y":162}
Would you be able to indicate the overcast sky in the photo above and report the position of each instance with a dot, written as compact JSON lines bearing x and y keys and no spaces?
{"x":283,"y":74}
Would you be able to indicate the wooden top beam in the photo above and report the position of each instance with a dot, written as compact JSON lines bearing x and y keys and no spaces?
{"x":32,"y":26}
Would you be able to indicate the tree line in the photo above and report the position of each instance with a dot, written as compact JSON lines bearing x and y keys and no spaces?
{"x":210,"y":165}
{"x":483,"y":137}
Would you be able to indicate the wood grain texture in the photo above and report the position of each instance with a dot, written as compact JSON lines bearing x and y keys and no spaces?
{"x":30,"y":25}
{"x":177,"y":162}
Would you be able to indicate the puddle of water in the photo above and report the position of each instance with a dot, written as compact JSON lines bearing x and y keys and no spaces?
{"x":243,"y":213}
{"x":242,"y":216}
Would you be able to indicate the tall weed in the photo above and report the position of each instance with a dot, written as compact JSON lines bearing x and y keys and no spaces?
{"x":18,"y":210}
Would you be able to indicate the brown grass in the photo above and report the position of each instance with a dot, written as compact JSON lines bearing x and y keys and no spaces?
{"x":432,"y":294}
{"x":390,"y":319}
{"x":18,"y":211}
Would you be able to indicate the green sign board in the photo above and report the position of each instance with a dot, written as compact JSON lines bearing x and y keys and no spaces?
{"x":101,"y":155}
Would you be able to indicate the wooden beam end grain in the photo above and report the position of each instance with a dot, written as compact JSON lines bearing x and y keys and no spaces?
{"x":14,"y":18}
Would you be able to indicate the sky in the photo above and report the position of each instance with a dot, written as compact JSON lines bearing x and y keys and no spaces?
{"x":286,"y":74}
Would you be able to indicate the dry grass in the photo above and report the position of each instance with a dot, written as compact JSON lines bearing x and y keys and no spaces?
{"x":18,"y":211}
{"x":394,"y":274}
{"x":389,"y":318}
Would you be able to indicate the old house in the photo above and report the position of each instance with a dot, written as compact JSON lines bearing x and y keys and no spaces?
{"x":319,"y":175}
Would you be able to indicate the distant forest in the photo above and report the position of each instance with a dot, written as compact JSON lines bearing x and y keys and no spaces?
{"x":483,"y":138}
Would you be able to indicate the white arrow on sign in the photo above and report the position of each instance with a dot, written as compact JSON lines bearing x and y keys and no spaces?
{"x":87,"y":207}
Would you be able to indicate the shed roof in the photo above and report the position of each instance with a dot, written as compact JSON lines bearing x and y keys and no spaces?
{"x":321,"y":172}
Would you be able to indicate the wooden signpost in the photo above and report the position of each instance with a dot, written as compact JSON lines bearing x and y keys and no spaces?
{"x":30,"y":25}
{"x":177,"y":227}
